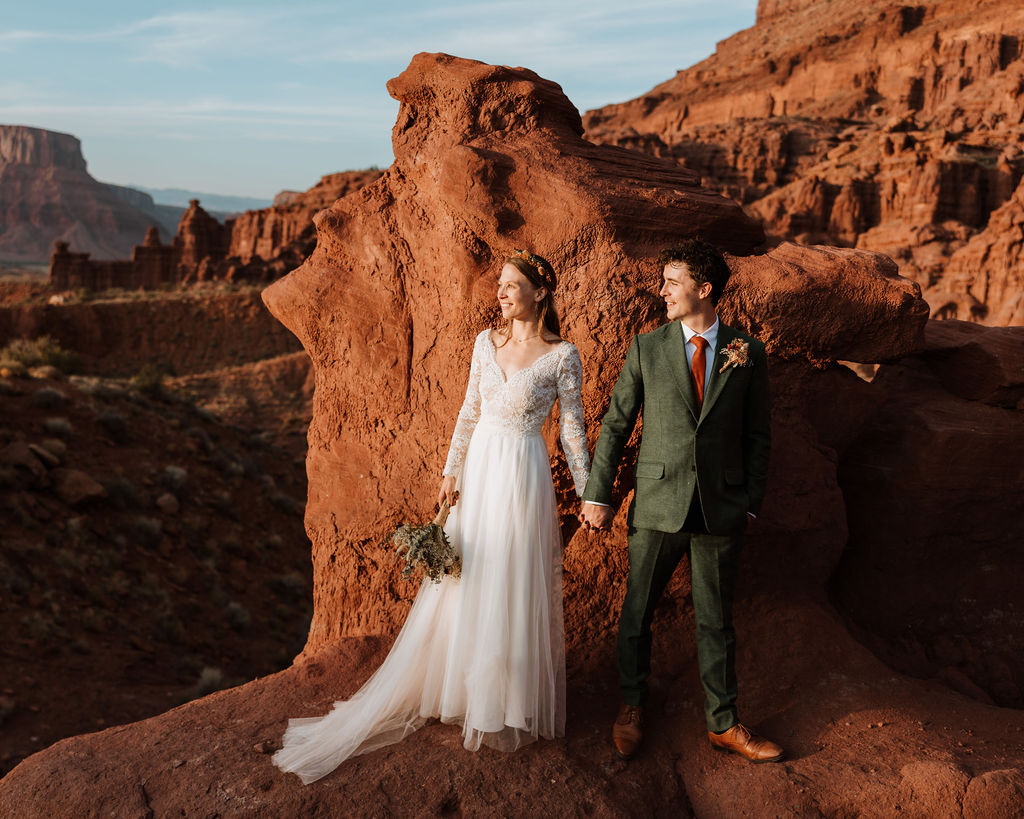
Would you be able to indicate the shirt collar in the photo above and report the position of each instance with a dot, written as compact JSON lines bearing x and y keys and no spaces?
{"x":710,"y":335}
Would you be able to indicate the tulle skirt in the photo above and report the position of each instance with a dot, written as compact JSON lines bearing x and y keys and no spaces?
{"x":486,"y":651}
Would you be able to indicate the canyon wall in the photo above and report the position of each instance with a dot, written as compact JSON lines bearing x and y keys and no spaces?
{"x":891,"y":128}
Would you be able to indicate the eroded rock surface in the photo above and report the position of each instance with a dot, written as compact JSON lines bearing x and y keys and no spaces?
{"x":890,"y":128}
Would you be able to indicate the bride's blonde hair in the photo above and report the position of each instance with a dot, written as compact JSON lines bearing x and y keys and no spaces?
{"x":539,"y":273}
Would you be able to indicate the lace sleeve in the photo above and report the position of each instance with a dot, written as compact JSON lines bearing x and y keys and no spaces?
{"x":570,"y":411}
{"x":468,"y":416}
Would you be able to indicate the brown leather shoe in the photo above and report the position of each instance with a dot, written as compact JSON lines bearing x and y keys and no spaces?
{"x":628,"y":730}
{"x":740,"y":741}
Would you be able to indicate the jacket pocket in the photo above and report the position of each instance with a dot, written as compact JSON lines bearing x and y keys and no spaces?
{"x":649,"y":469}
{"x":734,"y":477}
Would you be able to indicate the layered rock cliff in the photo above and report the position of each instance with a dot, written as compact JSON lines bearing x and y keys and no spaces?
{"x":264,"y":234}
{"x":403,"y":275}
{"x":47,"y":195}
{"x":892,"y":128}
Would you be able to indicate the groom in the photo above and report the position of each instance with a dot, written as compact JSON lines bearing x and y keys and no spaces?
{"x":700,"y":474}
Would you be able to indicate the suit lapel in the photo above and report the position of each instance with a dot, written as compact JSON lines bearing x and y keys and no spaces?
{"x":718,"y":379}
{"x":674,"y":349}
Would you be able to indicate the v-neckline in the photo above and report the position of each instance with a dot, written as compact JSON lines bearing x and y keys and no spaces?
{"x":507,"y":378}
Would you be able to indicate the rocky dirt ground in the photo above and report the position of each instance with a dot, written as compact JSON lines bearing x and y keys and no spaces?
{"x":152,"y":552}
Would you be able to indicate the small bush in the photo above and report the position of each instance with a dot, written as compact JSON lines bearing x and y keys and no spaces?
{"x":174,"y":478}
{"x":292,"y":585}
{"x":202,"y":436}
{"x":147,"y":531}
{"x":210,"y":680}
{"x":48,"y":398}
{"x":60,"y":427}
{"x":149,"y":380}
{"x":122,"y":493}
{"x":114,"y":425}
{"x":44,"y":351}
{"x":237,"y":616}
{"x":286,"y":504}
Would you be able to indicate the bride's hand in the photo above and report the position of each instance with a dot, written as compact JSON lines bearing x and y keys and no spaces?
{"x":447,"y":491}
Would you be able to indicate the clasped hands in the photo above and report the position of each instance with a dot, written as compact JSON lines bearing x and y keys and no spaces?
{"x":596,"y":517}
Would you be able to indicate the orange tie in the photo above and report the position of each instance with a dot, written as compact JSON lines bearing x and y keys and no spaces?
{"x":699,"y":367}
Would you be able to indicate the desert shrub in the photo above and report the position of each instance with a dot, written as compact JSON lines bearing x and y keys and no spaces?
{"x":223,"y":502}
{"x":122,"y":492}
{"x":147,"y":531}
{"x":174,"y":478}
{"x":114,"y":425}
{"x":39,"y":626}
{"x":48,"y":398}
{"x":68,"y":560}
{"x":93,"y":620}
{"x":202,"y":436}
{"x":286,"y":503}
{"x":227,"y":466}
{"x":167,"y":626}
{"x":41,"y":352}
{"x":149,"y":380}
{"x":210,"y":679}
{"x":237,"y":616}
{"x":292,"y":585}
{"x":60,"y":427}
{"x":98,"y":388}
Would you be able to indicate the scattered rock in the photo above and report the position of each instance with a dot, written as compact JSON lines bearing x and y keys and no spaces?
{"x":45,"y":455}
{"x":168,"y":504}
{"x":74,"y":486}
{"x":25,"y":462}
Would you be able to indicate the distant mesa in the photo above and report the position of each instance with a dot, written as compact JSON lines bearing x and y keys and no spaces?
{"x":891,"y":128}
{"x":47,"y":195}
{"x":258,"y":245}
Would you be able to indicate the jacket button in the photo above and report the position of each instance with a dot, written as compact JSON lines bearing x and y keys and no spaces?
{"x":693,"y":468}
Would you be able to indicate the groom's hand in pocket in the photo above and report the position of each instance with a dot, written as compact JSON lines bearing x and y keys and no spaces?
{"x":596,"y":516}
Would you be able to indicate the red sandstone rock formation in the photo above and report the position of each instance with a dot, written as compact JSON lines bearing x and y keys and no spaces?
{"x":891,"y":128}
{"x":402,"y":278}
{"x":934,"y":541}
{"x":46,"y":195}
{"x":264,"y":234}
{"x":187,"y":332}
{"x":200,"y":237}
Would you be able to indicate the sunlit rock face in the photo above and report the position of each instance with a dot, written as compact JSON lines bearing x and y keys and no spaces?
{"x":890,"y":128}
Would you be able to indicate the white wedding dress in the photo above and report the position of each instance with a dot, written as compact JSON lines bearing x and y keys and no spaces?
{"x":487,"y":651}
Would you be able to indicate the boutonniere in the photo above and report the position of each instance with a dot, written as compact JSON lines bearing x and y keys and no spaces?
{"x":737,"y":354}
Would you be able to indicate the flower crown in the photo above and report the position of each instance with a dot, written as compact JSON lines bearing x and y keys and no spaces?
{"x":544,"y":269}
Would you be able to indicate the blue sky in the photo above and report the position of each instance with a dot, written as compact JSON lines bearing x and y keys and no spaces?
{"x":249,"y":98}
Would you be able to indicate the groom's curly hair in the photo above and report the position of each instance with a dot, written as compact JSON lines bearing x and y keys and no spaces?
{"x":704,"y":262}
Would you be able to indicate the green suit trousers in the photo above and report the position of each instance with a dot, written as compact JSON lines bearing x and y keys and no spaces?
{"x":653,"y":557}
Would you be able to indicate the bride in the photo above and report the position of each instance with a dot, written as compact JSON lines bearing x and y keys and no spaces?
{"x":486,"y":651}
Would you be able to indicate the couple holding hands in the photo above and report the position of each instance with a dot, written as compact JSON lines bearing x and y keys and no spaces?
{"x":486,"y":651}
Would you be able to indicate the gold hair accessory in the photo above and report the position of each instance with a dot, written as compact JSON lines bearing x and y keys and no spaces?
{"x":541,"y":265}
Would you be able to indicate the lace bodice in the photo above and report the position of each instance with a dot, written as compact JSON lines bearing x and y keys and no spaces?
{"x":522,"y":403}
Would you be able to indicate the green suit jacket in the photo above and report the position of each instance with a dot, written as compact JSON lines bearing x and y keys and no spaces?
{"x":722,"y":451}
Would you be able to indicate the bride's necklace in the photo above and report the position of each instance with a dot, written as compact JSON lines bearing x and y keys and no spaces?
{"x":523,"y":340}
